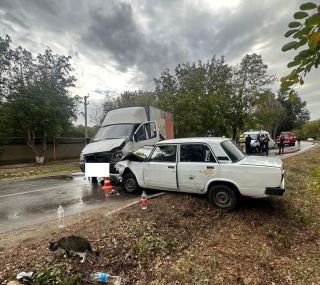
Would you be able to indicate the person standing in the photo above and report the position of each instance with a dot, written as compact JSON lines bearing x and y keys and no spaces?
{"x":281,"y":144}
{"x":242,"y":142}
{"x":298,"y":140}
{"x":248,"y":144}
{"x":266,"y":143}
{"x":261,"y":143}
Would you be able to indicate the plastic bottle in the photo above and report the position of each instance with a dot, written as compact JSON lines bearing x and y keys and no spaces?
{"x":60,"y":217}
{"x":143,"y":200}
{"x":105,"y":277}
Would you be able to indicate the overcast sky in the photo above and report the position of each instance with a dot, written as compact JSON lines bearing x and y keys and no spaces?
{"x":122,"y":45}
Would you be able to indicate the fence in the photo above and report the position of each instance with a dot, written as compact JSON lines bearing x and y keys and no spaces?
{"x":61,"y":148}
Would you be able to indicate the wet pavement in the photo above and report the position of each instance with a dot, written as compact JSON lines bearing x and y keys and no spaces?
{"x":31,"y":201}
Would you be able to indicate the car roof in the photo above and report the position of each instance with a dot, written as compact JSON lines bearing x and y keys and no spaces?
{"x":195,"y":140}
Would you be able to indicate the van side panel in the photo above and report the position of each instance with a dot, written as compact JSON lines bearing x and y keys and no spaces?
{"x":125,"y":115}
{"x":169,"y":126}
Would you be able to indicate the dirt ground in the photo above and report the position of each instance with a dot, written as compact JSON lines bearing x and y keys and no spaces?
{"x":182,"y":239}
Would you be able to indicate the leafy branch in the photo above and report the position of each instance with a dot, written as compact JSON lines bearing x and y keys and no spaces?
{"x":305,"y":33}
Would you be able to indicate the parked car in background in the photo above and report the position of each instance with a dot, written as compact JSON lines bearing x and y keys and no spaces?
{"x":289,"y":138}
{"x":310,"y":139}
{"x":216,"y":167}
{"x":255,"y":142}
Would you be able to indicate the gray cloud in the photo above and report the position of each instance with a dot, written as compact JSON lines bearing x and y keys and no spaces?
{"x":138,"y":39}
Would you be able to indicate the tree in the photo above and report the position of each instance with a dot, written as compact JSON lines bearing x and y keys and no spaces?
{"x":97,"y":116}
{"x":309,"y":130}
{"x":129,"y":98}
{"x":307,"y":32}
{"x":196,"y":97}
{"x":296,"y":112}
{"x":269,"y":112}
{"x":36,"y":96}
{"x":249,"y":79}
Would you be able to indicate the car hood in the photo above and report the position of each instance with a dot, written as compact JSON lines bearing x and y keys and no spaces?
{"x":102,"y":146}
{"x":138,"y":155}
{"x":262,"y":161}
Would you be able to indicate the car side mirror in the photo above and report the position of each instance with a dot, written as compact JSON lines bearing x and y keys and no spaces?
{"x":88,"y":140}
{"x":135,"y":137}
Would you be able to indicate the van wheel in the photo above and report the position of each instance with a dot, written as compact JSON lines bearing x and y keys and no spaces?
{"x":223,"y":197}
{"x":129,"y":183}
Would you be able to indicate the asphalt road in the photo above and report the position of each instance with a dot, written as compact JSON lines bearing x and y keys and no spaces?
{"x":31,"y":201}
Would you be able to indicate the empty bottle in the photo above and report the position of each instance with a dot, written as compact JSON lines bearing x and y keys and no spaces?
{"x":143,"y":200}
{"x":60,"y":217}
{"x":105,"y":277}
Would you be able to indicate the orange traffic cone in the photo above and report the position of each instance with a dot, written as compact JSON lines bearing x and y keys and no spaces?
{"x":107,"y":186}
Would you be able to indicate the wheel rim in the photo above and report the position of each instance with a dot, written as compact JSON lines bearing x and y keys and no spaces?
{"x":222,"y":199}
{"x":130,"y":184}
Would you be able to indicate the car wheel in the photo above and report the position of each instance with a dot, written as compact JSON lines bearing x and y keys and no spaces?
{"x":223,"y":197}
{"x":129,"y":183}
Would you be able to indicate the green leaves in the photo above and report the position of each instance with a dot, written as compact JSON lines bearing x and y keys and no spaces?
{"x":300,"y":15}
{"x":294,"y":25}
{"x":308,"y":6}
{"x":307,"y":33}
{"x":293,"y":63}
{"x":290,"y":32}
{"x":289,"y":46}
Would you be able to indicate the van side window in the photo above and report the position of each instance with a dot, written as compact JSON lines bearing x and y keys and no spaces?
{"x":196,"y":153}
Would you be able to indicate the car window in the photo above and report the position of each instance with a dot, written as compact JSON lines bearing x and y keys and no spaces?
{"x":195,"y":153}
{"x":164,"y":153}
{"x":232,"y":150}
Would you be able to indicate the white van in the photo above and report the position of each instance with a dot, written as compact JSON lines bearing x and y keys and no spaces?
{"x":255,"y":142}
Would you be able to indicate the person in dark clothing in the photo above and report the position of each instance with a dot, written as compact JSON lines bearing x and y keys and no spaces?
{"x":298,"y":141}
{"x":248,"y":143}
{"x":281,"y":144}
{"x":266,"y":144}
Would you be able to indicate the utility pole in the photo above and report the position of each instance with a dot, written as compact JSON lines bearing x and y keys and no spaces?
{"x":85,"y":117}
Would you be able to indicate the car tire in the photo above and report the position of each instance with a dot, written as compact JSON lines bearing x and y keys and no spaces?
{"x":223,"y":197}
{"x":129,"y":183}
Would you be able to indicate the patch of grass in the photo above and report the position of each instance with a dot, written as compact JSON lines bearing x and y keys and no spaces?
{"x":53,"y":275}
{"x":9,"y":172}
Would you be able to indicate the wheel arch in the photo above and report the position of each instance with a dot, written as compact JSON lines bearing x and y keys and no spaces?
{"x":229,"y":184}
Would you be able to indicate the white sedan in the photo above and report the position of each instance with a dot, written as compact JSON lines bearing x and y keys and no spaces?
{"x":212,"y":166}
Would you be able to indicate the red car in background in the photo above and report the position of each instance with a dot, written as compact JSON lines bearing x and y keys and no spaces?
{"x":289,"y":138}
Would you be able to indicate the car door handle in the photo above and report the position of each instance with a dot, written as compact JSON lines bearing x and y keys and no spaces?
{"x":210,"y":167}
{"x":171,"y":167}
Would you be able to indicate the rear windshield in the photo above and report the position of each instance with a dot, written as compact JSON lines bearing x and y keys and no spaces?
{"x":232,"y":150}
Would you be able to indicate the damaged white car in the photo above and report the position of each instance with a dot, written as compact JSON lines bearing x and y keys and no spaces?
{"x":212,"y":166}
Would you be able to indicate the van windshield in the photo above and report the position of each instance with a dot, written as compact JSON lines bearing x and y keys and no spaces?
{"x":120,"y":131}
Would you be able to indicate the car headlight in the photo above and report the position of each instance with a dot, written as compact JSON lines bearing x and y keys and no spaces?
{"x":117,"y":156}
{"x":81,"y":156}
{"x":119,"y":167}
